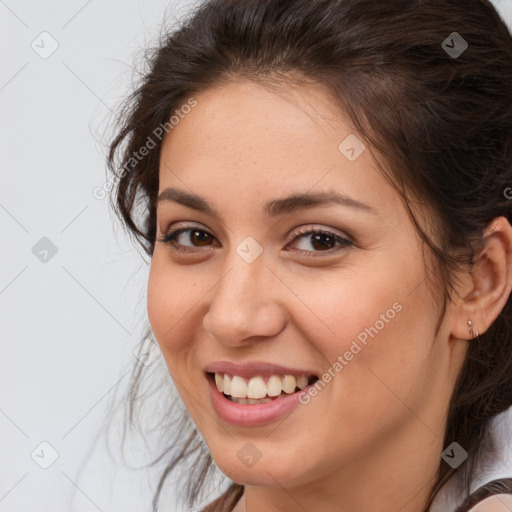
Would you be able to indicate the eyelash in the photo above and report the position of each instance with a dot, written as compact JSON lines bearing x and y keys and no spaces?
{"x":170,"y":239}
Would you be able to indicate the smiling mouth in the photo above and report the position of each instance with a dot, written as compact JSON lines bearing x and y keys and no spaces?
{"x":259,"y":389}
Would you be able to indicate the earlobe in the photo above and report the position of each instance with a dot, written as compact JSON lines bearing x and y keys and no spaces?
{"x":489,"y":285}
{"x":473,"y":333}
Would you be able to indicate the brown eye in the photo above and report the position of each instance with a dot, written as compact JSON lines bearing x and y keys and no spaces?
{"x":188,"y":237}
{"x":322,"y":241}
{"x":316,"y":240}
{"x":200,"y":237}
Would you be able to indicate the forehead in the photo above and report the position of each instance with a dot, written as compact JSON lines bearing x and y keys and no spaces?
{"x":244,"y":138}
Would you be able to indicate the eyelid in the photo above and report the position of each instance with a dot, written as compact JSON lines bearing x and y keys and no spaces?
{"x":184,"y":224}
{"x":179,"y":227}
{"x":309,"y":228}
{"x":301,"y":230}
{"x":344,"y":240}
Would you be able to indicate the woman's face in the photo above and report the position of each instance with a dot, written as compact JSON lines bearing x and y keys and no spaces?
{"x":246,"y":290}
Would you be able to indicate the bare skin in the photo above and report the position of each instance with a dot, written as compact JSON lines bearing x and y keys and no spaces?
{"x":497,"y":503}
{"x":372,"y":439}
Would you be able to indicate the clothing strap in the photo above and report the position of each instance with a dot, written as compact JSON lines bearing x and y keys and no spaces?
{"x":499,"y":486}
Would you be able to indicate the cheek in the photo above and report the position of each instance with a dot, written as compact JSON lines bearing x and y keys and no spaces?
{"x":170,"y":299}
{"x":159,"y":299}
{"x":357,"y":307}
{"x":375,"y":332}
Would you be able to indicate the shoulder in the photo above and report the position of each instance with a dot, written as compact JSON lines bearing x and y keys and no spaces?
{"x":494,"y":496}
{"x":496,"y":503}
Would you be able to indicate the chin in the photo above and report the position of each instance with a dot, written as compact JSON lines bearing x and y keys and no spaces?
{"x":275,"y":471}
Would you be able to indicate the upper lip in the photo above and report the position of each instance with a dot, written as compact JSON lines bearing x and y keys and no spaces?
{"x":253,"y":369}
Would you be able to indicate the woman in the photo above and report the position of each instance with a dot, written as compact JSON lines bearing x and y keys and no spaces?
{"x":325,"y":201}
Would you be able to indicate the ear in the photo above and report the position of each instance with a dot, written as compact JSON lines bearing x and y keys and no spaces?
{"x":485,"y":290}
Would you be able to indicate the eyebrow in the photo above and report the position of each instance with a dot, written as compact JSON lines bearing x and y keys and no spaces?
{"x":273,"y":208}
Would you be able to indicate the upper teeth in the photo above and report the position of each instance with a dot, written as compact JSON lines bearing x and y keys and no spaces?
{"x":256,"y":387}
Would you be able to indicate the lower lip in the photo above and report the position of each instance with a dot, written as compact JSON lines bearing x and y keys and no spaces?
{"x":251,"y":415}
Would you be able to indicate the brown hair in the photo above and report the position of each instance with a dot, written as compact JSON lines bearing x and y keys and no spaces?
{"x":442,"y":121}
{"x":496,"y":487}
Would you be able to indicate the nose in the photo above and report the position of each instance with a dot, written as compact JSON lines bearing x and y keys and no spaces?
{"x":245,"y":305}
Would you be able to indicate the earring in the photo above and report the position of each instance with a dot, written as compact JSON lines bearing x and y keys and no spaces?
{"x":470,"y":327}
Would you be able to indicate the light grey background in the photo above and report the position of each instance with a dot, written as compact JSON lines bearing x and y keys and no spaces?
{"x":70,"y":323}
